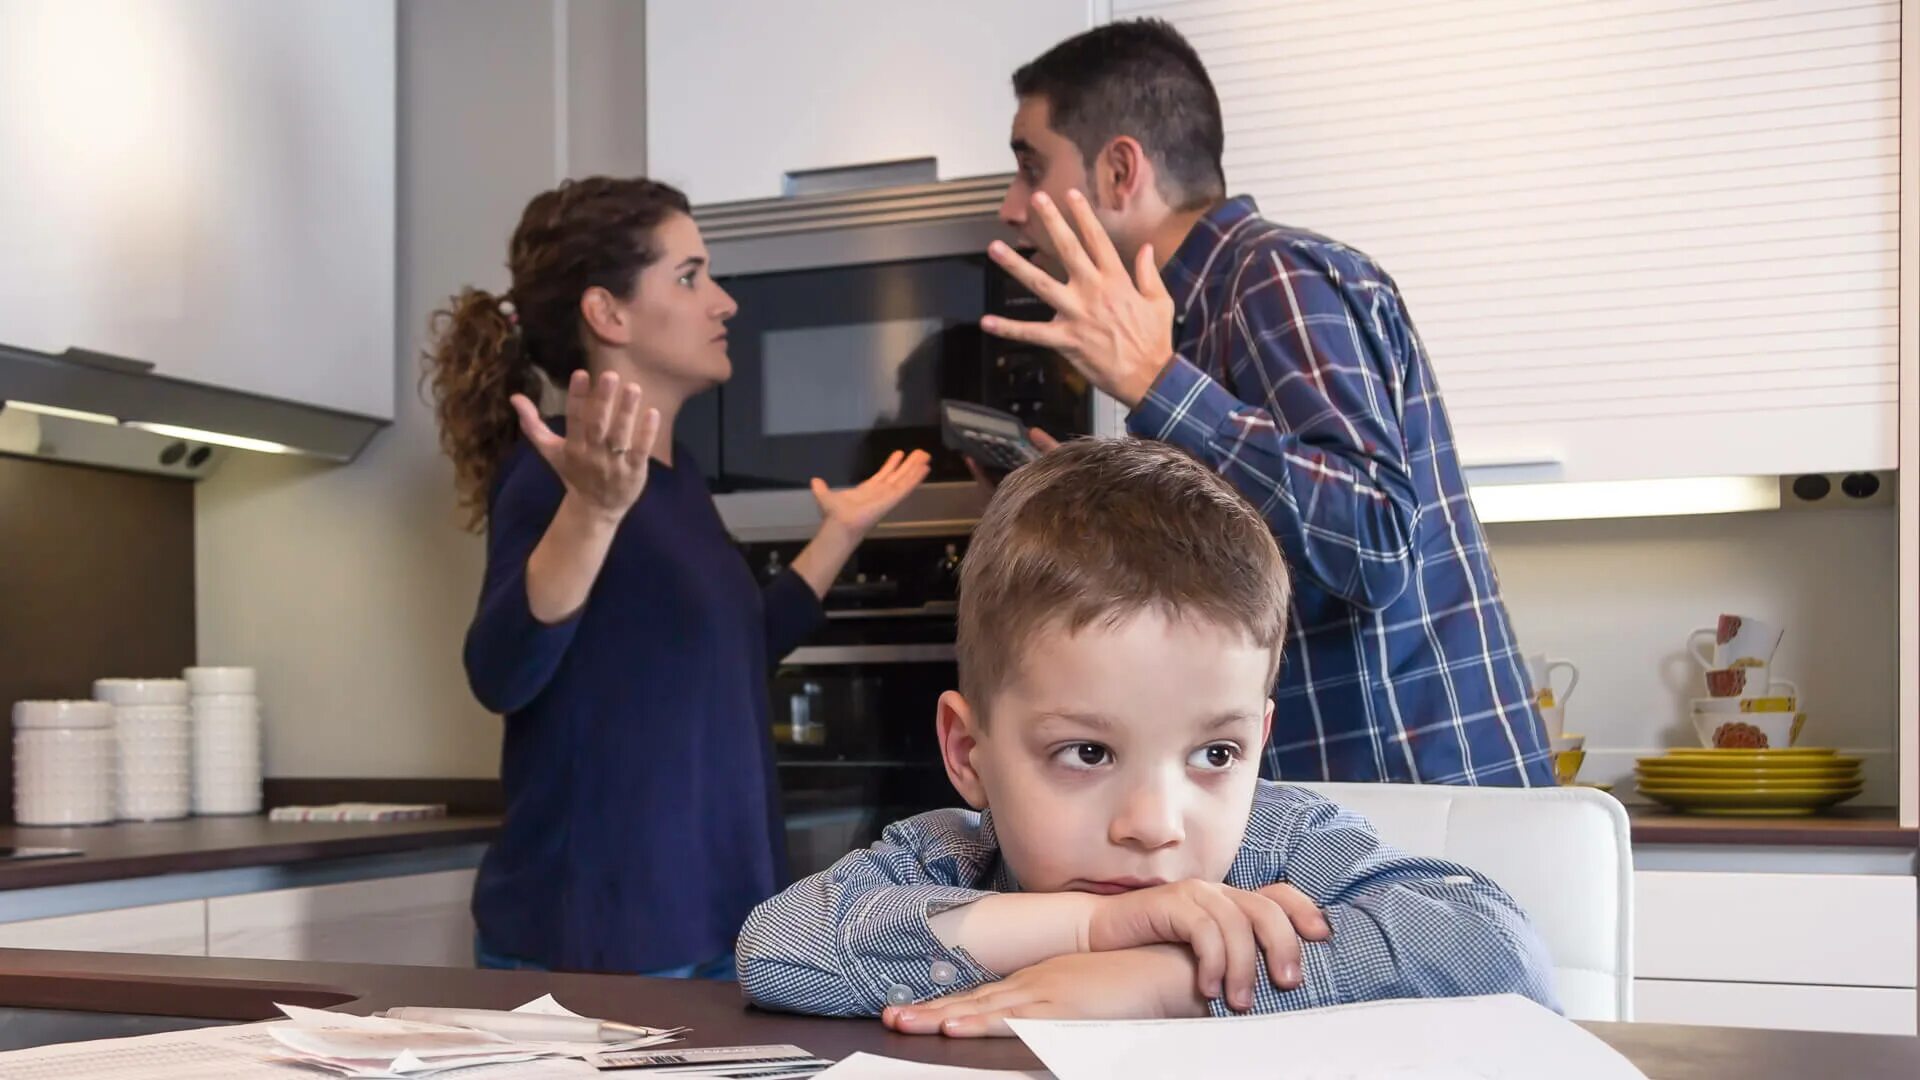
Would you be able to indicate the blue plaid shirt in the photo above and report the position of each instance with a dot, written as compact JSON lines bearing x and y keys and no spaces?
{"x":839,"y":942}
{"x":1298,"y":376}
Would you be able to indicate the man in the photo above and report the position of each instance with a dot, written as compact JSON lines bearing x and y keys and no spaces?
{"x":1288,"y":363}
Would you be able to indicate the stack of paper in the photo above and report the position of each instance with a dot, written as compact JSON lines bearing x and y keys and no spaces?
{"x":366,"y":1047}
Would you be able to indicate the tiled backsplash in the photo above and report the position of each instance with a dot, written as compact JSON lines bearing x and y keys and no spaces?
{"x":96,"y":578}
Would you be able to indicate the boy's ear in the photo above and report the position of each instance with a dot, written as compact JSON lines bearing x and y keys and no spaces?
{"x":1266,"y":728}
{"x":955,"y":724}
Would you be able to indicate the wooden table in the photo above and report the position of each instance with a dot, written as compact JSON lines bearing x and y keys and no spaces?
{"x":245,"y":990}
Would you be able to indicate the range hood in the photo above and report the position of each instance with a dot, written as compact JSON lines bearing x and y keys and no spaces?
{"x":94,"y":409}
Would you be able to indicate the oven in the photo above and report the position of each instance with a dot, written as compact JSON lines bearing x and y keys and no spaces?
{"x":853,"y":710}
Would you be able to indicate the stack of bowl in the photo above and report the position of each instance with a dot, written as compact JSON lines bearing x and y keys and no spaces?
{"x":153,"y":731}
{"x":226,"y":740}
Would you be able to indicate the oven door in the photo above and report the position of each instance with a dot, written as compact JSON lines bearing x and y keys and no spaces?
{"x":834,"y":369}
{"x":853,"y":732}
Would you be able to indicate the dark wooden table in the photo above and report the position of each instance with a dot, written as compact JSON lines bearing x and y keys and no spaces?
{"x":245,"y":990}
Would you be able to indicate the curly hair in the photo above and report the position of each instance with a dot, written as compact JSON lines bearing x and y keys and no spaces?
{"x":591,"y":233}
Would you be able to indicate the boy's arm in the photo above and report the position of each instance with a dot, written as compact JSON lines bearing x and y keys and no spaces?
{"x":1402,"y":926}
{"x":847,"y":939}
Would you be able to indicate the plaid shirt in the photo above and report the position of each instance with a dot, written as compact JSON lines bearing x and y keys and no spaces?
{"x":1298,"y":375}
{"x":855,"y":936}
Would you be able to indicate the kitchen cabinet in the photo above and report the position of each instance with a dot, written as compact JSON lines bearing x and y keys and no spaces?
{"x":415,"y":919}
{"x":736,"y":103}
{"x":1832,"y":952}
{"x":208,"y":185}
{"x":1668,"y":249}
{"x":175,"y":929}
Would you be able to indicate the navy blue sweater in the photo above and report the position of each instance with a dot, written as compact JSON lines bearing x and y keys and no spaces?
{"x":643,"y":822}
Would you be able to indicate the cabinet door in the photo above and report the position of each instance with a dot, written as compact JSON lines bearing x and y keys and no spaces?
{"x":1814,"y":929}
{"x":1862,"y":1010}
{"x":416,"y":919}
{"x":208,"y":185}
{"x":177,"y":929}
{"x":777,"y":86}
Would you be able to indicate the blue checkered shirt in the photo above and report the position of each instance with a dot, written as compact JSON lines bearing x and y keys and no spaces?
{"x":840,"y":942}
{"x":1298,"y":376}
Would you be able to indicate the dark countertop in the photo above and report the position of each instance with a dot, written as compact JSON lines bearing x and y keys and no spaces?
{"x":244,"y":990}
{"x":132,"y":850}
{"x":1842,"y":827}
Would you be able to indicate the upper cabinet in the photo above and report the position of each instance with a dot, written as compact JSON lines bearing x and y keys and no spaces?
{"x":741,"y":95}
{"x":207,"y":185}
{"x":1654,"y":242}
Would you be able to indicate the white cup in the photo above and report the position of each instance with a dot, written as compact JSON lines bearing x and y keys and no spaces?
{"x":1540,"y":669}
{"x":1736,"y":641}
{"x":207,"y":681}
{"x":1554,"y":719}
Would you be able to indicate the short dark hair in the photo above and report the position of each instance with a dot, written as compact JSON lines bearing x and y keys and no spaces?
{"x":1136,"y":77}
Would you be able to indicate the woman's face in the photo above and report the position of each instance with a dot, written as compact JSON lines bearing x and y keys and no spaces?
{"x":678,"y":314}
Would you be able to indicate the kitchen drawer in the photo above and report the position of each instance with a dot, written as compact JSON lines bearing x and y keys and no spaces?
{"x":1864,"y":1010}
{"x":413,"y":919}
{"x":176,"y":929}
{"x":1807,"y":929}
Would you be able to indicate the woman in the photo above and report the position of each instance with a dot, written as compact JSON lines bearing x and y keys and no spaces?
{"x":619,"y":630}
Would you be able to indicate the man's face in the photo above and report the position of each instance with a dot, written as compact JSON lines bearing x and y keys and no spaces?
{"x":1044,"y":160}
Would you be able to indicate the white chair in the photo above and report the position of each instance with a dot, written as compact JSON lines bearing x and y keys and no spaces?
{"x":1562,"y":853}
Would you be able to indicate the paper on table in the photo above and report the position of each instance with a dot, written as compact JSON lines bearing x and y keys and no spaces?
{"x":875,"y":1067}
{"x":1505,"y":1037}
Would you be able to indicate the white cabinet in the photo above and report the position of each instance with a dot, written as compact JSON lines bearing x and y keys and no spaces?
{"x":736,"y":102}
{"x":1829,"y":952}
{"x":208,"y":185}
{"x":175,"y":929}
{"x":416,"y":919}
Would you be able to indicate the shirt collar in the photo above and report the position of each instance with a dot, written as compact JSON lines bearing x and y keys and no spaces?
{"x":1196,"y":254}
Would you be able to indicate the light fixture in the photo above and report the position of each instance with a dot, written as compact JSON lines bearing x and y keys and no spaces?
{"x":64,"y":413}
{"x":1625,"y":498}
{"x":238,"y":442}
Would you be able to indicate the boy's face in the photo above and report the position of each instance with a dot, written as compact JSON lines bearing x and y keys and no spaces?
{"x":1119,"y":757}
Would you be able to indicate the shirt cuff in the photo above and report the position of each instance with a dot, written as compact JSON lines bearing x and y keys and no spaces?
{"x":896,"y":955}
{"x":1185,"y":407}
{"x":1317,"y":987}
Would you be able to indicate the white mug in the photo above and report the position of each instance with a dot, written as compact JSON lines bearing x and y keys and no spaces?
{"x":1540,"y":669}
{"x":1737,"y":641}
{"x":1755,"y":681}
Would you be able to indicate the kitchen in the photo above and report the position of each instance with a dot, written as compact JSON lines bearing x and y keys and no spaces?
{"x":348,"y":587}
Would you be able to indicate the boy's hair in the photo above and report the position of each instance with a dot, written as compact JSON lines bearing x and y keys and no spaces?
{"x":1136,"y":77}
{"x":1100,"y":530}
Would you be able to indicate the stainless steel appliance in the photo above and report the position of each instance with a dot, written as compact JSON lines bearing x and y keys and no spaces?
{"x":859,"y":311}
{"x":853,"y":710}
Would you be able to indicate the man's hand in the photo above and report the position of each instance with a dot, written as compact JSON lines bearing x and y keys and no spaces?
{"x":1223,"y":925}
{"x":1152,"y":983}
{"x":1115,"y":328}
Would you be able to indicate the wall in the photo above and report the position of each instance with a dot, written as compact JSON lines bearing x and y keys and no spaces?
{"x":350,"y":589}
{"x":1619,"y":598}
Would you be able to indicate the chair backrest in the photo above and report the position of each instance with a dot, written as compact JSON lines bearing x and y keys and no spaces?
{"x":1562,"y":853}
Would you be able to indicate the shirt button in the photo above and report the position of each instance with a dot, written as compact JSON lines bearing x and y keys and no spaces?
{"x":899,"y":994}
{"x":943,"y":973}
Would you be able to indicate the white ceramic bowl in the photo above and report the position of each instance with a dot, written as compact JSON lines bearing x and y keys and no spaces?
{"x":206,"y":681}
{"x":61,"y":714}
{"x":141,"y":691}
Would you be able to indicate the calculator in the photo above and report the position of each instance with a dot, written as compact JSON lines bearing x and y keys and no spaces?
{"x":995,"y":439}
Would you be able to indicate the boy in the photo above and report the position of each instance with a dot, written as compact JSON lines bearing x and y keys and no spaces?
{"x":1122,"y":611}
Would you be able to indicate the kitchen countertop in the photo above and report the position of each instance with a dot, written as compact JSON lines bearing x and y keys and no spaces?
{"x":146,"y":849}
{"x":245,"y":989}
{"x":1844,"y":827}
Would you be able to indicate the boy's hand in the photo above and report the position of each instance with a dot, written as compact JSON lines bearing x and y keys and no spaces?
{"x":1152,"y":983}
{"x":1222,"y":924}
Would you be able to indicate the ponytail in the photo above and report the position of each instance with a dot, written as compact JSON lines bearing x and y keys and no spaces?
{"x":476,"y":363}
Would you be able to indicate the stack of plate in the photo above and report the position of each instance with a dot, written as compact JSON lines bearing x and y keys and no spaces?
{"x":1774,"y":783}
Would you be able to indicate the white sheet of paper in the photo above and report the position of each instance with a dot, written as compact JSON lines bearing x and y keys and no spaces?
{"x":1505,"y":1037}
{"x":875,"y":1067}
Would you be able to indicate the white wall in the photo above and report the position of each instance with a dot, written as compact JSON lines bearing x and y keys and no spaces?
{"x":350,"y":588}
{"x":1619,"y":597}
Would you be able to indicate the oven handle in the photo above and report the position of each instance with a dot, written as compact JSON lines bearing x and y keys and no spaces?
{"x":870,"y":654}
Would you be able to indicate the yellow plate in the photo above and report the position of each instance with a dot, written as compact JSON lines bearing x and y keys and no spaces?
{"x":1691,"y":761}
{"x":1665,"y":784}
{"x":1809,"y":772}
{"x":1783,"y":752}
{"x":1762,"y":802}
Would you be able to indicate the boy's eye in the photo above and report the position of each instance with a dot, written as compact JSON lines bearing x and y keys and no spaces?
{"x":1086,"y":755}
{"x":1215,"y":757}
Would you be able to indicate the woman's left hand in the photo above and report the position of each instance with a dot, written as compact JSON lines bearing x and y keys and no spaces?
{"x":859,"y":509}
